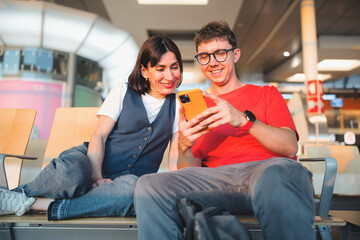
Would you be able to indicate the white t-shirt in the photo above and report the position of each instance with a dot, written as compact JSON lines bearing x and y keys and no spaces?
{"x":113,"y":104}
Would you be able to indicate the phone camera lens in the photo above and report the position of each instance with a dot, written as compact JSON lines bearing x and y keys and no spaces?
{"x":185,"y":98}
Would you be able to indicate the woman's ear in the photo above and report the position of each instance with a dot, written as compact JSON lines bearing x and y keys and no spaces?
{"x":144,"y":72}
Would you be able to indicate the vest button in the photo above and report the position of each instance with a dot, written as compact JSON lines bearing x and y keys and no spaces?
{"x":129,"y":165}
{"x":145,"y":138}
{"x":140,"y":147}
{"x":134,"y":156}
{"x":149,"y":129}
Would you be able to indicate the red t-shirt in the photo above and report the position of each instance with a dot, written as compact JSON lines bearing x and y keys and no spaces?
{"x":226,"y":145}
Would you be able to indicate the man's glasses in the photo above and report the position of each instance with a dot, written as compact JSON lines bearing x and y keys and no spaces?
{"x":220,"y":55}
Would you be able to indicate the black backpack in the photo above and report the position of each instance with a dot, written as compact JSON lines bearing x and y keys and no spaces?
{"x":211,"y":223}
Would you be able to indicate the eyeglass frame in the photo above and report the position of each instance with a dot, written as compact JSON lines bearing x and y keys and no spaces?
{"x":213,"y":53}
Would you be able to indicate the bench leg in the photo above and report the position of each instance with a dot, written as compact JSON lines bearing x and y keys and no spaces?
{"x":325,"y":232}
{"x":5,"y":233}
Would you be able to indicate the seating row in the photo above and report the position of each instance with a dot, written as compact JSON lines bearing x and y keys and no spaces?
{"x":71,"y":127}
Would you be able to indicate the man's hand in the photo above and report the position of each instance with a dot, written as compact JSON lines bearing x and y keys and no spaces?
{"x":101,"y":181}
{"x":220,"y":114}
{"x":189,"y":131}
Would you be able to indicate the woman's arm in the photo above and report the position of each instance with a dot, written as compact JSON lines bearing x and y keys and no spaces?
{"x":96,"y":149}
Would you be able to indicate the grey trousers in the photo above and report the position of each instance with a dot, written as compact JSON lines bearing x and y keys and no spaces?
{"x":277,"y":191}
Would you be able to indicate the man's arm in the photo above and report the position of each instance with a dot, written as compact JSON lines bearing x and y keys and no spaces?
{"x":173,"y":153}
{"x":282,"y":141}
{"x":96,"y":149}
{"x":278,"y":140}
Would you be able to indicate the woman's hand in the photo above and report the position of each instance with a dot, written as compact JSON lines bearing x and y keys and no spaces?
{"x":101,"y":181}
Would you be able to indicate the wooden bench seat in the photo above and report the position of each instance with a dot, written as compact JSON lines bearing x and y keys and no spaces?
{"x":40,"y":218}
{"x":37,"y":225}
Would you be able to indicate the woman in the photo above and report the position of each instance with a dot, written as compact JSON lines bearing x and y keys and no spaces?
{"x":136,"y":122}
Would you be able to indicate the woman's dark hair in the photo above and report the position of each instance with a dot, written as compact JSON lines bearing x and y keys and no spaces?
{"x":215,"y":30}
{"x":151,"y":52}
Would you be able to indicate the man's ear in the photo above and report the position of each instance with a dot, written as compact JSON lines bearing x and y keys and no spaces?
{"x":237,"y":54}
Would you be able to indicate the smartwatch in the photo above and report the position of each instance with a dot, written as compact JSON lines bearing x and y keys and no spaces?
{"x":251,"y":120}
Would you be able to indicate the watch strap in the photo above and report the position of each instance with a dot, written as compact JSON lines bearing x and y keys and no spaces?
{"x":251,"y":120}
{"x":247,"y":126}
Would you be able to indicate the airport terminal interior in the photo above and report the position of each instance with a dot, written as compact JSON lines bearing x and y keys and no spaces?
{"x":71,"y":53}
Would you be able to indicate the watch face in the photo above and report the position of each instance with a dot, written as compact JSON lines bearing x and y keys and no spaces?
{"x":250,"y":116}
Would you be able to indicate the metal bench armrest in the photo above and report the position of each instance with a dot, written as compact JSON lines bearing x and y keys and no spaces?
{"x":328,"y":183}
{"x":3,"y":179}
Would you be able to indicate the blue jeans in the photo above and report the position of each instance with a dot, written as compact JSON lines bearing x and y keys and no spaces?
{"x":277,"y":191}
{"x":68,"y":179}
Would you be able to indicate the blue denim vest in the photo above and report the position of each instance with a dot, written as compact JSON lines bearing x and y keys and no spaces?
{"x":135,"y":145}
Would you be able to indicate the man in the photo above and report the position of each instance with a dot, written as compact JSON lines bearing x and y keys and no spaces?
{"x":247,"y":142}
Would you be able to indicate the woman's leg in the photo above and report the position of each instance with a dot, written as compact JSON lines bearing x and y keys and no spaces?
{"x":41,"y":204}
{"x":111,"y":199}
{"x":67,"y":176}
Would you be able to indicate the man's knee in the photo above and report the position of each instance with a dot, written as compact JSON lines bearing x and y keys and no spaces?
{"x":142,"y":193}
{"x":283,"y":183}
{"x":153,"y":186}
{"x":281,"y":171}
{"x":145,"y":183}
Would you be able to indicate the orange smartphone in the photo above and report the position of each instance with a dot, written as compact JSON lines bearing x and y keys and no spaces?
{"x":193,"y":102}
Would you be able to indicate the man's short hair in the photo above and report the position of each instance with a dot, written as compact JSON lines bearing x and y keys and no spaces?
{"x":215,"y":30}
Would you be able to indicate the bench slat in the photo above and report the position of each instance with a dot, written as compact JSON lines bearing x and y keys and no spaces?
{"x":319,"y":221}
{"x":39,"y":218}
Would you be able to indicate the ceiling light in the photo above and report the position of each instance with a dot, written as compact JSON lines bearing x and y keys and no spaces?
{"x":300,"y":77}
{"x":173,"y":2}
{"x":286,"y":54}
{"x":338,"y":64}
{"x":295,"y":61}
